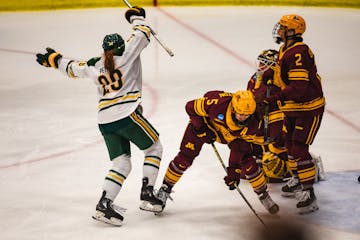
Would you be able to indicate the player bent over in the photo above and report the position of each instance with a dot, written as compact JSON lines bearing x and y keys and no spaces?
{"x":223,"y":117}
{"x":117,"y":75}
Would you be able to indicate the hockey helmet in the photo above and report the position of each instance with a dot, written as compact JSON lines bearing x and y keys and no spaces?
{"x":293,"y":24}
{"x":266,"y":59}
{"x":243,"y":102}
{"x":114,"y":41}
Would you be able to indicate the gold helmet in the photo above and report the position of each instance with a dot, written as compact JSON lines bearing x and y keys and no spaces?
{"x":293,"y":22}
{"x":243,"y":102}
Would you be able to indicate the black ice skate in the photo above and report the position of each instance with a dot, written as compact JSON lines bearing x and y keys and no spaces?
{"x":268,"y":203}
{"x":292,"y":186}
{"x":307,"y":201}
{"x":164,"y":194}
{"x":107,"y":212}
{"x":149,"y":202}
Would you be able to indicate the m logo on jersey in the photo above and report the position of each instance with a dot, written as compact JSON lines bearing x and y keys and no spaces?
{"x":190,"y":146}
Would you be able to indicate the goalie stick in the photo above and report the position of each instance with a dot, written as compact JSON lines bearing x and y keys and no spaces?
{"x":167,"y":49}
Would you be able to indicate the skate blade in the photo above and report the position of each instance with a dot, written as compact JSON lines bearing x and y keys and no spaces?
{"x":99,"y":216}
{"x":146,"y":206}
{"x":309,"y":209}
{"x":289,"y":194}
{"x":274,"y":209}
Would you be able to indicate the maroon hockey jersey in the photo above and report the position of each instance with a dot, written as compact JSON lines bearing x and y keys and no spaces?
{"x":214,"y":110}
{"x":303,"y":93}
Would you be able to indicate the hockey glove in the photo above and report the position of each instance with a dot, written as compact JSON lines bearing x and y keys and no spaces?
{"x":273,"y":166}
{"x":205,"y":134}
{"x":49,"y":59}
{"x":232,"y":179}
{"x":271,"y":99}
{"x":134,"y":11}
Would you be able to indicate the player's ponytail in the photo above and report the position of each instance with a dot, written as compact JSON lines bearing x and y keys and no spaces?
{"x":109,"y":60}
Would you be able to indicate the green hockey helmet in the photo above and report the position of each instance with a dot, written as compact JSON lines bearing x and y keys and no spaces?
{"x":114,"y":41}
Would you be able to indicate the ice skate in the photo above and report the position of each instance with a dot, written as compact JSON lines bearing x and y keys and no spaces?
{"x":292,"y":186}
{"x":163,"y":194}
{"x":307,"y":201}
{"x":268,"y":203}
{"x":149,"y":202}
{"x":108,"y":212}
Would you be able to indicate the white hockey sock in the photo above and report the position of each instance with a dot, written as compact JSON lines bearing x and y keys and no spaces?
{"x":116,"y":176}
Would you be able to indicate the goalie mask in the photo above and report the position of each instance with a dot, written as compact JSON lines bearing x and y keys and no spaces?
{"x":243,"y":106}
{"x":114,"y":42}
{"x":266,"y":59}
{"x":293,"y":26}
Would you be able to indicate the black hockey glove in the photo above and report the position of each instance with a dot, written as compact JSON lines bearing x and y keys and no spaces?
{"x":232,"y":179}
{"x":49,"y":59}
{"x":134,"y":11}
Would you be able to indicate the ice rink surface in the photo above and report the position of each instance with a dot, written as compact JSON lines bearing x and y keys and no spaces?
{"x":53,"y":159}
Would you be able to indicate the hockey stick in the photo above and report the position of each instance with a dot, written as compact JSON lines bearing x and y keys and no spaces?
{"x":237,"y":187}
{"x":266,"y":117}
{"x":167,"y":49}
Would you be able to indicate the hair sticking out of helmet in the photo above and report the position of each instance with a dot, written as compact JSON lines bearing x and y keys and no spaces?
{"x":266,"y":59}
{"x":243,"y":102}
{"x":114,"y":42}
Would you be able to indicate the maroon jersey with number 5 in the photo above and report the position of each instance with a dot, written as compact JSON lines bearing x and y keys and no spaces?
{"x":214,"y":111}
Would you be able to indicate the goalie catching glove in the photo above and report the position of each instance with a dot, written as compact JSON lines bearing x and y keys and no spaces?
{"x":273,"y":165}
{"x":49,"y":59}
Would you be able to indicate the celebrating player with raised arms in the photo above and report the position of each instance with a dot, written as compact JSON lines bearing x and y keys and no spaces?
{"x":118,"y":77}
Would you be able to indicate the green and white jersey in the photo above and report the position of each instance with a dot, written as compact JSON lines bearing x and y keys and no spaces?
{"x":120,"y":92}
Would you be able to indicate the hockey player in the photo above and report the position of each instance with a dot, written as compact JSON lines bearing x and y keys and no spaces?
{"x":228,"y":119}
{"x":302,"y":101}
{"x":118,"y":77}
{"x":261,"y":84}
{"x":274,"y":157}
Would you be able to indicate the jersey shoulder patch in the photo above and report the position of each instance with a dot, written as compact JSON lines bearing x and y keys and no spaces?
{"x":93,"y":61}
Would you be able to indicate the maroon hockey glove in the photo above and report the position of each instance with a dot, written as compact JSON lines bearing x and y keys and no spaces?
{"x":205,"y":134}
{"x":233,"y":177}
{"x":271,"y":99}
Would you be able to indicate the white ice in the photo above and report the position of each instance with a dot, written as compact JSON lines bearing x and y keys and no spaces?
{"x":53,"y":159}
